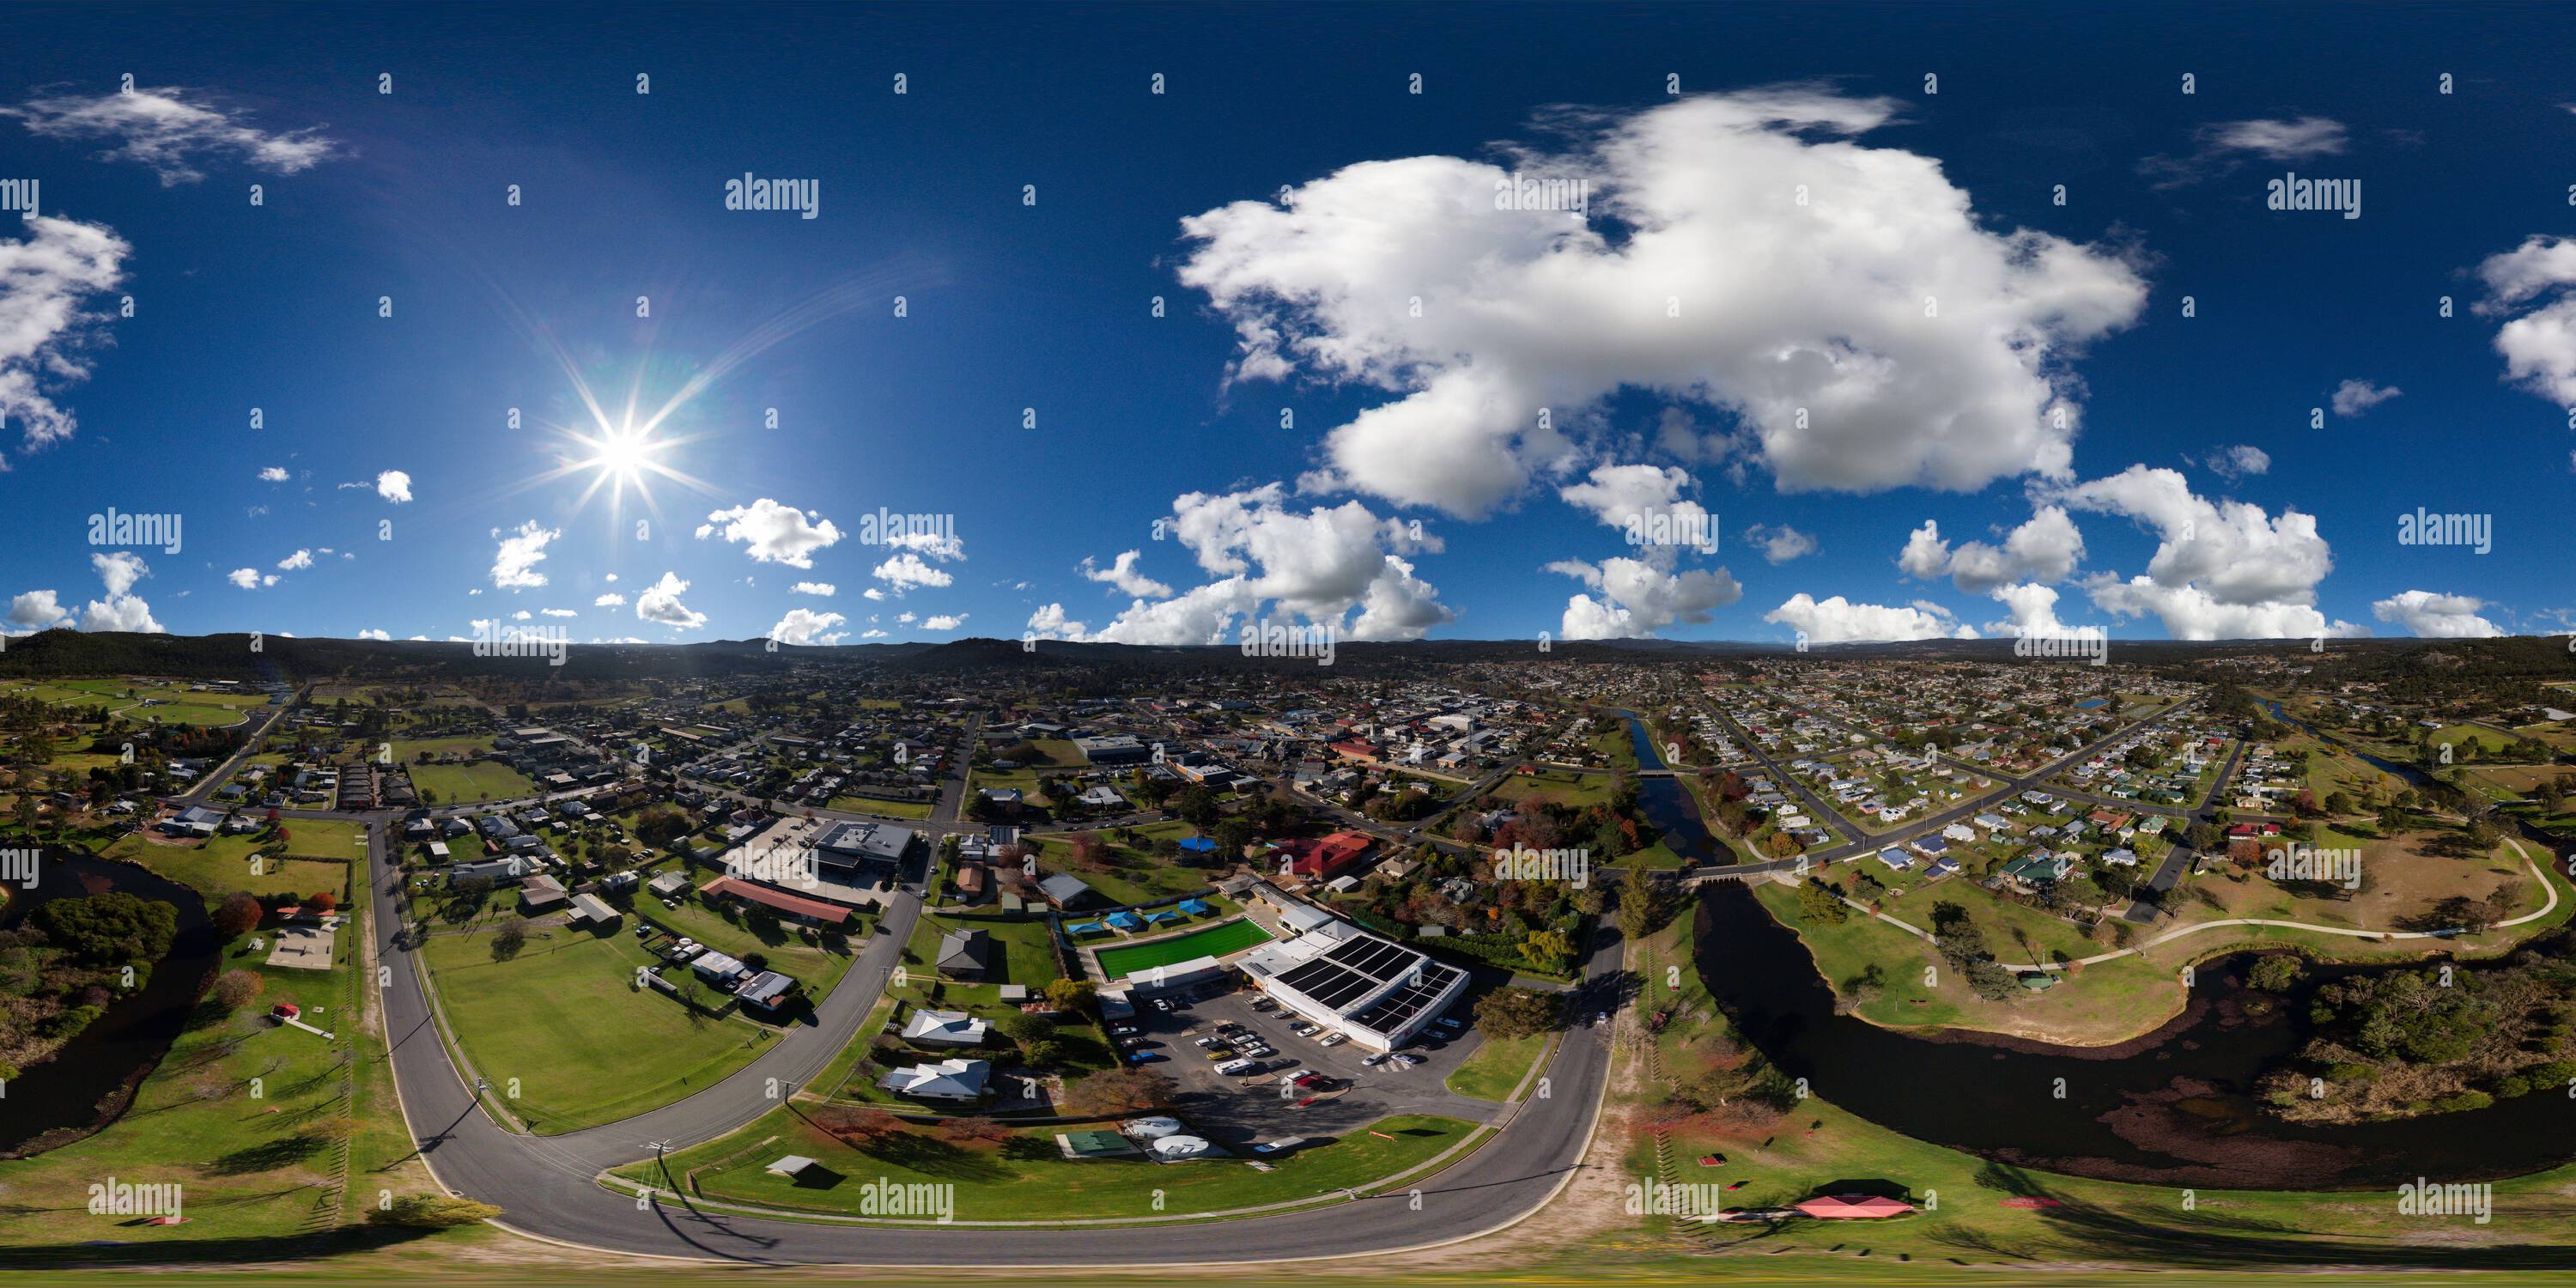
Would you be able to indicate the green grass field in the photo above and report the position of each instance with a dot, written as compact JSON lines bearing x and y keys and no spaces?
{"x":407,"y":750}
{"x":1214,"y":941}
{"x":1497,"y":1067}
{"x":1972,"y":1234}
{"x":251,"y":1164}
{"x":323,"y":838}
{"x":567,"y":1025}
{"x":482,"y":781}
{"x":1027,"y":1178}
{"x":220,"y":865}
{"x":881,"y":808}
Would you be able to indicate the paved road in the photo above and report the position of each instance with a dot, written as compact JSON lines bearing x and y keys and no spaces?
{"x":2144,"y":911}
{"x":545,"y":1185}
{"x":2037,"y":778}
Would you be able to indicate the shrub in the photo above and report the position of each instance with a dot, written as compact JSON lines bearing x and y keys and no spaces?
{"x":432,"y":1212}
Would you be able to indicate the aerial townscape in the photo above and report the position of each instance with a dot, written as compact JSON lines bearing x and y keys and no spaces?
{"x":1341,"y":643}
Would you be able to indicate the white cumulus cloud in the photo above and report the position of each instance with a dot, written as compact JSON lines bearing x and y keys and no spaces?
{"x":1877,"y":334}
{"x":46,"y":323}
{"x":514,"y":565}
{"x":771,"y":532}
{"x":1839,"y":621}
{"x":2433,"y":616}
{"x":660,"y":602}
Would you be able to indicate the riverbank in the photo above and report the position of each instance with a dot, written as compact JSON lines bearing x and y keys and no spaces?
{"x":1983,"y":1217}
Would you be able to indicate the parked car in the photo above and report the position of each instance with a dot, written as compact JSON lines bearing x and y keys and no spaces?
{"x":1447,"y":1023}
{"x":1221,"y":1053}
{"x":1143,"y":1057}
{"x":1279,"y":1146}
{"x":1407,"y":1059}
{"x":1238,"y":1068}
{"x":1374,"y":1060}
{"x":1335,"y":1038}
{"x":1263,"y":1004}
{"x":1163,"y":1004}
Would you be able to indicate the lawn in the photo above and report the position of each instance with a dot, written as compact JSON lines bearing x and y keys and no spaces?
{"x":486,"y":780}
{"x":788,"y":953}
{"x":1027,"y":956}
{"x":324,"y":838}
{"x":1135,"y":875}
{"x":407,"y":750}
{"x":1497,"y":1067}
{"x":220,"y":865}
{"x":1123,"y":960}
{"x":1027,"y":1178}
{"x":567,"y":1036}
{"x":2101,"y":1004}
{"x":247,"y":1164}
{"x":882,"y":808}
{"x":2101,"y":1223}
{"x":1556,"y":786}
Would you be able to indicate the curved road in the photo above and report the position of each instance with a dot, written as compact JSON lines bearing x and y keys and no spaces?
{"x":545,"y":1184}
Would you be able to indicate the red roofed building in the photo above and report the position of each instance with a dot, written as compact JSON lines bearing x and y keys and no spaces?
{"x":793,"y":907}
{"x":1325,"y":859}
{"x":1854,"y":1207}
{"x":1356,"y":749}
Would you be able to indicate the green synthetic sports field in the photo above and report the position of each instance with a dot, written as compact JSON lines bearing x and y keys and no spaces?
{"x":1215,"y":941}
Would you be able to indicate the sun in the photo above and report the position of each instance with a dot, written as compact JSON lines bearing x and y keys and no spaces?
{"x":623,"y":453}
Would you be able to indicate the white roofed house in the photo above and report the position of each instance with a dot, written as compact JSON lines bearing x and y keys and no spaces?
{"x":945,"y":1028}
{"x":957,"y":1080}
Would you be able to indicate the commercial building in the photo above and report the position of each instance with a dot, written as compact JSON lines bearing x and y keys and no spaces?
{"x":1337,"y":975}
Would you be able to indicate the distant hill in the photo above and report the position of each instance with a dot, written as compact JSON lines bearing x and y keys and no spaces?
{"x":284,"y":658}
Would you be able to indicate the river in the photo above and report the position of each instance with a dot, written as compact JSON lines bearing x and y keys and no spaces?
{"x":1668,"y":805}
{"x":86,"y":1083}
{"x":2175,"y":1106}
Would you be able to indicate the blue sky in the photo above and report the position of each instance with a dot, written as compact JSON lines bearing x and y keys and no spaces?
{"x":1701,"y":342}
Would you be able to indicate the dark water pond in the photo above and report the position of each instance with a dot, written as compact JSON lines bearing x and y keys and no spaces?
{"x":86,"y":1083}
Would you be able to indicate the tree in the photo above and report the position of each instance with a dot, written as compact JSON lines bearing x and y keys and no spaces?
{"x":236,"y":916}
{"x":1547,"y":950}
{"x":1818,"y":903}
{"x":1516,"y":1012}
{"x":432,"y":1212}
{"x":1644,"y":906}
{"x":1024,"y":1028}
{"x":1123,"y":1091}
{"x":1075,"y":995}
{"x":109,"y":929}
{"x":858,"y":1128}
{"x":235,"y":989}
{"x":508,"y":940}
{"x":974,"y":1132}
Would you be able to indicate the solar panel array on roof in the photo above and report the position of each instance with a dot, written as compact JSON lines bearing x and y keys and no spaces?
{"x":1372,"y":957}
{"x":1331,"y":984}
{"x":1396,"y":1009}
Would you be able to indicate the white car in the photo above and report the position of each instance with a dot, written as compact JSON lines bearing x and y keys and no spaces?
{"x":1334,"y":1039}
{"x":1238,"y":1068}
